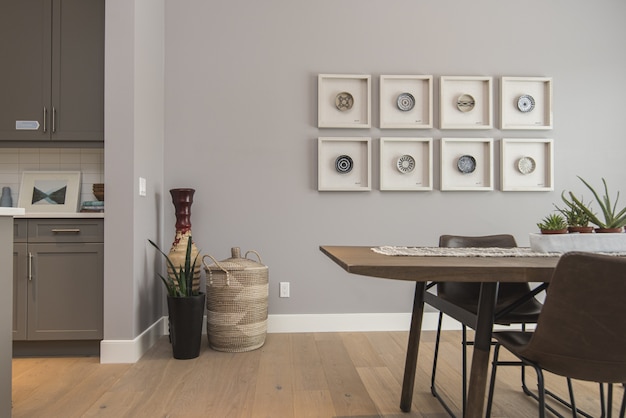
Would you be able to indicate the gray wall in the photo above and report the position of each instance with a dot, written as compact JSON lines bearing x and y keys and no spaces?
{"x":240,"y":124}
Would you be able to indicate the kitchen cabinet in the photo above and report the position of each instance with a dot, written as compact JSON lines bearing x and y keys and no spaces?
{"x":58,"y":279}
{"x":52,"y":80}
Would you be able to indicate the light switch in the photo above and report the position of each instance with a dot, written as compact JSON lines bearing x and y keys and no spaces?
{"x":142,"y":186}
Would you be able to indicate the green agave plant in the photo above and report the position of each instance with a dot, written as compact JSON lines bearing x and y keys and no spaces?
{"x":181,"y":285}
{"x":613,"y":218}
{"x":552,"y":222}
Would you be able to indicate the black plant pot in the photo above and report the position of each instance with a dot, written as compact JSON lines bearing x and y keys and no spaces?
{"x":185,"y":320}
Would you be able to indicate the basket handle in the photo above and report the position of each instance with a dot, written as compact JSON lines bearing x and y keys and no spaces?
{"x":255,"y":253}
{"x":211,"y":273}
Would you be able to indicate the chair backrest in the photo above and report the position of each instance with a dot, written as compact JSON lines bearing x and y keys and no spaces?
{"x":580,"y":332}
{"x":467,"y":294}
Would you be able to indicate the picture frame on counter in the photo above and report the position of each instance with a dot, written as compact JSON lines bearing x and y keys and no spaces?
{"x":50,"y":191}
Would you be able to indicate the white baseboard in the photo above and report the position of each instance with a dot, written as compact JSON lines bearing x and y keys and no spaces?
{"x":130,"y":351}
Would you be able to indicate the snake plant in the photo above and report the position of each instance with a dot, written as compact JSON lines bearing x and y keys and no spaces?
{"x":181,"y":285}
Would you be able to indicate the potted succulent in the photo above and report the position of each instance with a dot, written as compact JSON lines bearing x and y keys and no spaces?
{"x":553,"y":224}
{"x":614,"y":219}
{"x":185,"y":306}
{"x":576,"y":218}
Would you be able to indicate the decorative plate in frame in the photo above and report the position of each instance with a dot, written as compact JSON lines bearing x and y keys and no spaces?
{"x":405,"y":102}
{"x":405,"y":163}
{"x":344,"y":164}
{"x":466,"y":164}
{"x":525,"y":103}
{"x":344,"y":101}
{"x":526,"y":164}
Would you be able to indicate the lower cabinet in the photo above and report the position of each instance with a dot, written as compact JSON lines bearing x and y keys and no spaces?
{"x":58,"y":279}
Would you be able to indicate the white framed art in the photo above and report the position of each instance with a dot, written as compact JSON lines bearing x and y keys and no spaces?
{"x":406,"y":164}
{"x":406,"y":101}
{"x":344,"y":164}
{"x":344,"y":101}
{"x":50,"y":191}
{"x":526,"y":164}
{"x":466,"y":164}
{"x":465,"y":102}
{"x":526,"y":103}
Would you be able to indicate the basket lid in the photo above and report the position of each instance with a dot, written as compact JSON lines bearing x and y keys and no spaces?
{"x":236,"y":262}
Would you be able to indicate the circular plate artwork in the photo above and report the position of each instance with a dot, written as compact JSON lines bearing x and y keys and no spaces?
{"x":406,"y":102}
{"x":344,"y":101}
{"x":525,"y":103}
{"x":405,"y":164}
{"x":526,"y":165}
{"x":466,"y":164}
{"x":465,"y":103}
{"x":344,"y":164}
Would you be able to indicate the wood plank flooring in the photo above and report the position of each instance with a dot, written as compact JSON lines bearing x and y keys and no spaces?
{"x":293,"y":375}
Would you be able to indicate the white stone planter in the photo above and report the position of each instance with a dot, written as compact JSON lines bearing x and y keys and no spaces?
{"x":593,"y":242}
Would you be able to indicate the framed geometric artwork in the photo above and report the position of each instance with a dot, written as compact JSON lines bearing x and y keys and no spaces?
{"x":465,"y":102}
{"x":344,"y":164}
{"x":466,"y":164}
{"x":50,"y":191}
{"x":344,"y":101}
{"x":526,"y":103}
{"x":406,"y":101}
{"x":406,"y":164}
{"x":527,"y":164}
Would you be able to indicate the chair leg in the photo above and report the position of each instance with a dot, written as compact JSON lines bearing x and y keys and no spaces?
{"x":622,"y":410}
{"x":572,"y":400}
{"x":541,"y":389}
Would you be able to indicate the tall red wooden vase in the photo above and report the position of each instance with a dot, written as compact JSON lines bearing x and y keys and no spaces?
{"x":182,"y":199}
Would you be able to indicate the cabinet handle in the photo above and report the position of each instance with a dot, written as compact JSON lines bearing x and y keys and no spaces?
{"x":54,"y":119}
{"x":66,"y":231}
{"x":45,"y":116}
{"x":30,"y":266}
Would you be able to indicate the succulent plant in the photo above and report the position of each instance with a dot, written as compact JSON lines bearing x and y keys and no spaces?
{"x":553,"y":222}
{"x":574,"y":214}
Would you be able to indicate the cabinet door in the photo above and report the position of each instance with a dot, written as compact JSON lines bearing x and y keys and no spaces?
{"x":25,"y":48}
{"x":20,"y":289}
{"x":78,"y":70}
{"x":65,"y":293}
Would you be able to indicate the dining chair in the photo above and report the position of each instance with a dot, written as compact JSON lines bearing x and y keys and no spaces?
{"x":579,"y":332}
{"x":516,"y":304}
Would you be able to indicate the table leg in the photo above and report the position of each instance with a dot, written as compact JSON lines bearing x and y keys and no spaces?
{"x":482,"y":347}
{"x":411,"y":352}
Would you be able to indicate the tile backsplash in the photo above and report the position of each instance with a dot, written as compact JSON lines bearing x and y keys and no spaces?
{"x":89,"y":161}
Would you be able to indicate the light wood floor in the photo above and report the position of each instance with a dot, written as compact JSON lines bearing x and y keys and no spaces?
{"x":293,"y":375}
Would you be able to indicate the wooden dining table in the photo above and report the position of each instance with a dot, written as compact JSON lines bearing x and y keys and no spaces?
{"x":488,"y":271}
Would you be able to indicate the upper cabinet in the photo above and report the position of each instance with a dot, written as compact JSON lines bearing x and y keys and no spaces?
{"x":52,"y":82}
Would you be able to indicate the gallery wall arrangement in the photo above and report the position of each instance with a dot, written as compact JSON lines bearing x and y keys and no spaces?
{"x":406,"y":102}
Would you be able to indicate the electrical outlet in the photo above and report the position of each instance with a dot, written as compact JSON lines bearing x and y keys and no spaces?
{"x":284,"y":289}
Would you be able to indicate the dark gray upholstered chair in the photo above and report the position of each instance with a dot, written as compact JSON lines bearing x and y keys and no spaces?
{"x":580,"y":332}
{"x":465,"y":296}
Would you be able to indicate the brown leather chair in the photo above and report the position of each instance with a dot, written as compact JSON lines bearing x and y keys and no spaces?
{"x":579,"y":333}
{"x":523,"y":308}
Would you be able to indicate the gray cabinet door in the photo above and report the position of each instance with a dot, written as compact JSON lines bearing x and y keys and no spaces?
{"x":53,"y":70}
{"x":66,"y":291}
{"x":26,"y":51}
{"x":78,"y":70}
{"x":20,"y":290}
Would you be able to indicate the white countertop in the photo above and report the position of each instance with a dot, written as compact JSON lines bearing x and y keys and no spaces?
{"x":69,"y":215}
{"x":11,"y":211}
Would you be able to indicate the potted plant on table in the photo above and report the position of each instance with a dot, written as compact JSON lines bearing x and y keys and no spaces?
{"x":576,"y":218}
{"x":553,"y":224}
{"x":185,"y":306}
{"x":614,"y":219}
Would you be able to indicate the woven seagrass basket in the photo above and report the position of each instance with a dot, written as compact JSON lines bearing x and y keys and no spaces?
{"x":237,"y":291}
